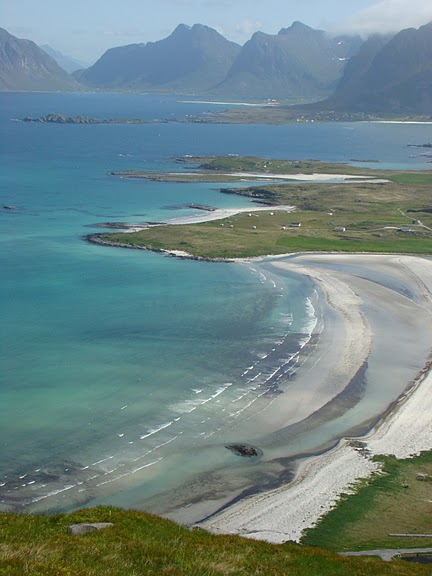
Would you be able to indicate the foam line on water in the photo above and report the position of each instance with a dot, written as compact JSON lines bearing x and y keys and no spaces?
{"x":54,"y":493}
{"x":156,"y":430}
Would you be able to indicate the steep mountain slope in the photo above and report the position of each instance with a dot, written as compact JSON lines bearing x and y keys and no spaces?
{"x":390,"y":75}
{"x":24,"y":66}
{"x":190,"y":59}
{"x":299,"y":62}
{"x":359,"y":64}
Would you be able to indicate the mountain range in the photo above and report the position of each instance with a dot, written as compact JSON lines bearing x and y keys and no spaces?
{"x":390,"y":74}
{"x":299,"y":62}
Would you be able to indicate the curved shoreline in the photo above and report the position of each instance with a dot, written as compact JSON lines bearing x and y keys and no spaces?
{"x":403,"y":429}
{"x":283,"y":513}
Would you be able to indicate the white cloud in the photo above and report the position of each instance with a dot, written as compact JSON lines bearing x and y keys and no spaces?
{"x":240,"y":32}
{"x":125,"y":33}
{"x":248,"y":27}
{"x":388,"y":16}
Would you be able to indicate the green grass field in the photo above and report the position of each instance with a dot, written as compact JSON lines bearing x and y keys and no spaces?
{"x":140,"y":545}
{"x":415,"y":178}
{"x":394,"y":501}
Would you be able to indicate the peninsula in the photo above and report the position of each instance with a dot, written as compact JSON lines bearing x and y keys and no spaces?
{"x":295,"y":207}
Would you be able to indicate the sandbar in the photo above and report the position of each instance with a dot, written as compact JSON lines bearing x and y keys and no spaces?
{"x":315,"y":177}
{"x":221,"y":103}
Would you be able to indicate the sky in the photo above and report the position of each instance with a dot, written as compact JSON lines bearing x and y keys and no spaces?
{"x":85,"y":29}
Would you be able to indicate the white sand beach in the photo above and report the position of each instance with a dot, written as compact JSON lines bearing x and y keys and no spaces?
{"x":366,"y":292}
{"x":244,"y":104}
{"x":218,"y":214}
{"x":309,"y":177}
{"x":315,"y":177}
{"x":398,"y":122}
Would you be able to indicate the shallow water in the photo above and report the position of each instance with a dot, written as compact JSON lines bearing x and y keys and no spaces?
{"x":126,"y":370}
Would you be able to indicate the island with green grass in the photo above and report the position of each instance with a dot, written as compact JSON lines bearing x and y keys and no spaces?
{"x":311,"y":206}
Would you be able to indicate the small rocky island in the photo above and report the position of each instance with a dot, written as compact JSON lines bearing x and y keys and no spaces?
{"x":60,"y":119}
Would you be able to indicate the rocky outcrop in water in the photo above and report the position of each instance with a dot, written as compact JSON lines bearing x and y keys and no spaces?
{"x":60,"y":119}
{"x":244,"y":450}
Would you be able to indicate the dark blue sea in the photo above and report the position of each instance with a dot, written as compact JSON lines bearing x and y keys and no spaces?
{"x":123,"y":372}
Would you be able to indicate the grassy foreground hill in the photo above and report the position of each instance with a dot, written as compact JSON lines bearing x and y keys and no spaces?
{"x":139,"y":544}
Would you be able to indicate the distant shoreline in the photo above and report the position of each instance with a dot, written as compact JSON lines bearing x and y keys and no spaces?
{"x":265,"y":113}
{"x":228,"y":103}
{"x":399,"y":121}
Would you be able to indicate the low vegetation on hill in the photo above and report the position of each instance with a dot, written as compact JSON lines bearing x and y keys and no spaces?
{"x":139,"y":544}
{"x":389,"y":510}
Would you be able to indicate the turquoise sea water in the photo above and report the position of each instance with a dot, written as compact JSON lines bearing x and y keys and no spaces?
{"x":123,"y":371}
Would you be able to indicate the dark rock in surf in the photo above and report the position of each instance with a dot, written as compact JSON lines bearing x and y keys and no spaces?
{"x":244,"y":450}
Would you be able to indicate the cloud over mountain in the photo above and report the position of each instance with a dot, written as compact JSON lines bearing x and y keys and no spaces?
{"x":387,"y":16}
